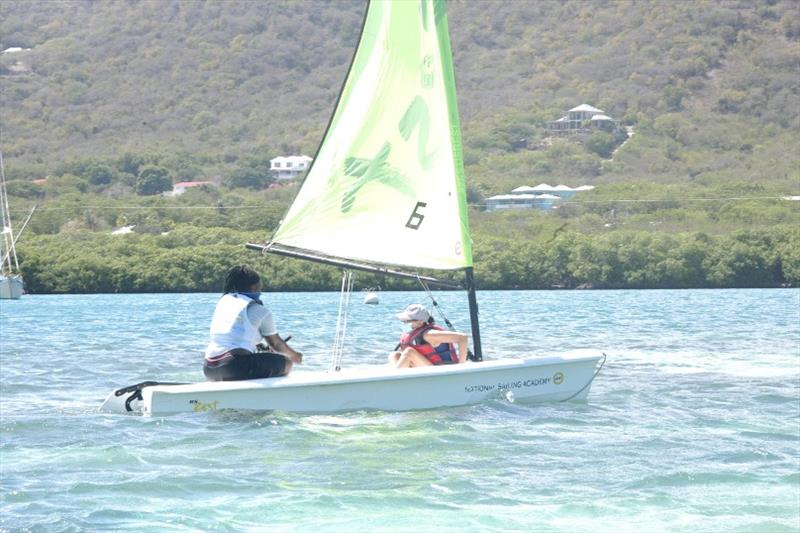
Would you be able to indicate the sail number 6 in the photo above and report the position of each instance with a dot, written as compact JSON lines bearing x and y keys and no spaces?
{"x":416,"y":217}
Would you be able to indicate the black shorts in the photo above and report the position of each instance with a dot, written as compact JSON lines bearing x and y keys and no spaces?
{"x":242,"y":364}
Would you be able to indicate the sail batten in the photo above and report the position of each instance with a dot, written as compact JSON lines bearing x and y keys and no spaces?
{"x":387,"y":185}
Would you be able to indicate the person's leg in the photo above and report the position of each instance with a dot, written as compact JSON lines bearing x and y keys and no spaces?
{"x":232,"y":366}
{"x":212,"y":373}
{"x":411,"y":358}
{"x":393,"y":357}
{"x":269,"y":365}
{"x":245,"y":365}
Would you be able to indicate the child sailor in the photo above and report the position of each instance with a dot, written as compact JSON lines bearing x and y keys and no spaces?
{"x":426,"y":343}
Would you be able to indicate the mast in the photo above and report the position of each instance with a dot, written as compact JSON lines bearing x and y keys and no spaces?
{"x":473,"y":315}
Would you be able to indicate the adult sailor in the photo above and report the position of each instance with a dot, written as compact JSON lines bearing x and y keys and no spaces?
{"x":240,"y":322}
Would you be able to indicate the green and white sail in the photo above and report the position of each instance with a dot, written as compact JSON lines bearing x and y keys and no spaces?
{"x":387,"y":184}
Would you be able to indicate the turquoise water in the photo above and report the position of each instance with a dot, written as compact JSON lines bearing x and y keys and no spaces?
{"x":693,"y":425}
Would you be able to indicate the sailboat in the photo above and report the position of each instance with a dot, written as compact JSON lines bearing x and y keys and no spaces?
{"x":385,"y":194}
{"x":10,"y":277}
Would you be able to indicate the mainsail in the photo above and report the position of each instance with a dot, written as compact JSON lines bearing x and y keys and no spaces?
{"x":387,"y":184}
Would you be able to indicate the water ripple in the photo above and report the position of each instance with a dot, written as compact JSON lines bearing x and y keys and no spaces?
{"x":692,"y":423}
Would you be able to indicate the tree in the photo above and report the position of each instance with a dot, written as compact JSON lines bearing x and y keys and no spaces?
{"x":203,"y":120}
{"x":99,"y":174}
{"x":153,"y":180}
{"x":601,"y":143}
{"x":130,"y":163}
{"x":24,"y":189}
{"x":248,"y":177}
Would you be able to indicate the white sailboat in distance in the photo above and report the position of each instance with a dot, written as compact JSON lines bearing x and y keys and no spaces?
{"x":10,"y":276}
{"x":385,"y":194}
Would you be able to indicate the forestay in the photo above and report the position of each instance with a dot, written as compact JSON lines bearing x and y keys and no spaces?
{"x":389,"y":173}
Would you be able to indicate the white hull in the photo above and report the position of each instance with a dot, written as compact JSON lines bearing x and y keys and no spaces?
{"x":10,"y":288}
{"x":379,"y":388}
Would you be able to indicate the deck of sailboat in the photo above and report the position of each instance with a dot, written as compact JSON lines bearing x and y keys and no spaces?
{"x":383,"y":372}
{"x":379,"y":387}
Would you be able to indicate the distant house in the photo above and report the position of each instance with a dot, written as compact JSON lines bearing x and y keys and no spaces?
{"x":562,"y":191}
{"x":181,"y":187}
{"x":520,"y":201}
{"x":14,"y":50}
{"x":583,"y":119}
{"x":543,"y":196}
{"x":286,"y":168}
{"x":18,"y":67}
{"x":124,"y":230}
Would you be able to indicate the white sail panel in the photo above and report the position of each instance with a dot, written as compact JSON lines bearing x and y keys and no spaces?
{"x":387,"y":184}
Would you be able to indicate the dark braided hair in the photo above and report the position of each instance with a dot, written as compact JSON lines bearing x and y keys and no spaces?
{"x":240,"y":279}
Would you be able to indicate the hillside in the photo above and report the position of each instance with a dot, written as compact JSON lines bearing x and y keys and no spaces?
{"x":111,"y":99}
{"x":222,"y":81}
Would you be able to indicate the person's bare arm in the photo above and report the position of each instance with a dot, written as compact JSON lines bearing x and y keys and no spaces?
{"x":280,"y":346}
{"x":461,"y":340}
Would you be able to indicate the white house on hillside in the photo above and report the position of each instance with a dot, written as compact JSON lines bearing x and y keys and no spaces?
{"x":286,"y":168}
{"x":181,"y":187}
{"x":14,"y":50}
{"x":543,"y":196}
{"x":562,"y":191}
{"x":583,"y":119}
{"x":521,"y":201}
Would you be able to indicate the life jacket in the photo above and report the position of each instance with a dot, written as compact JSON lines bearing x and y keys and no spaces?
{"x":444,"y":354}
{"x":230,"y":327}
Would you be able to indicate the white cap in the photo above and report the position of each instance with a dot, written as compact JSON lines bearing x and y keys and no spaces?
{"x":414,"y":312}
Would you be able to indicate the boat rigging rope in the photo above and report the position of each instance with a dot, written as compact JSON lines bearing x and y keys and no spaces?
{"x":590,"y":381}
{"x":470,"y":355}
{"x":341,"y":321}
{"x":435,"y":303}
{"x":5,"y":226}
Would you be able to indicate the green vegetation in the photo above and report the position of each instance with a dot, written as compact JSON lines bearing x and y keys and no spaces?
{"x":115,"y":102}
{"x":637,"y":259}
{"x":192,"y":259}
